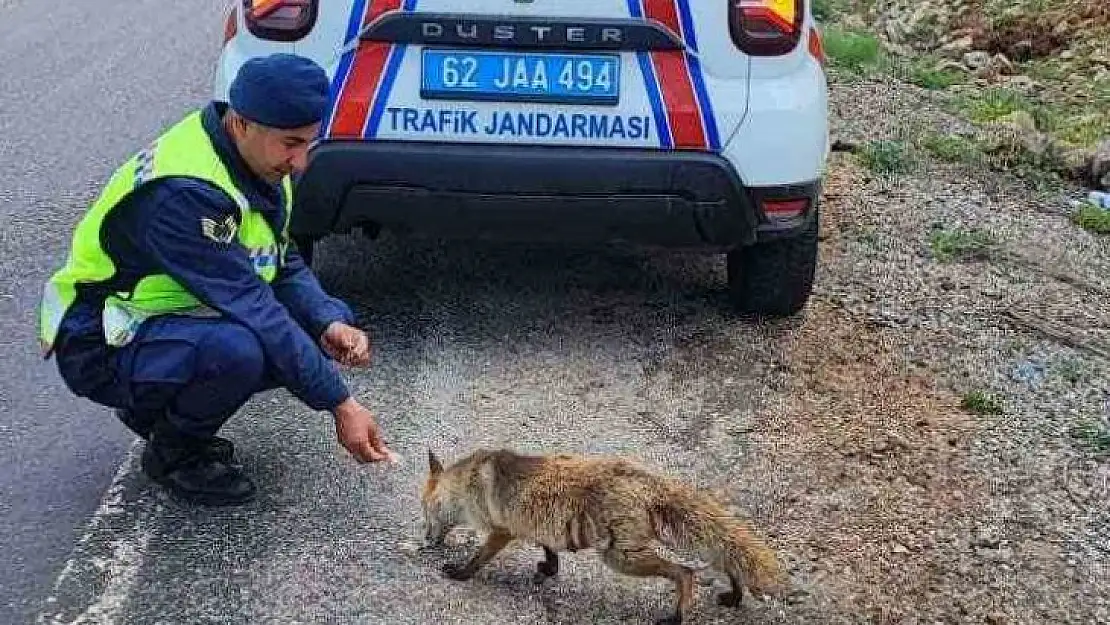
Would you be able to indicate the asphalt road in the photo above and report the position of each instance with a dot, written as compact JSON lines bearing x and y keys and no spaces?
{"x":81,"y":84}
{"x":533,"y":347}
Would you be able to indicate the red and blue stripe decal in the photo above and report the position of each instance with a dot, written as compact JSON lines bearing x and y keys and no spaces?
{"x":674,"y":79}
{"x":675,"y":82}
{"x":365,"y":76}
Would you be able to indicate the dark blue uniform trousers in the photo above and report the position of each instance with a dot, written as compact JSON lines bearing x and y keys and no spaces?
{"x":196,"y":372}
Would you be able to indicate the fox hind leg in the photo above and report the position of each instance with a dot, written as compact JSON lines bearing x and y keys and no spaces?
{"x":496,"y":541}
{"x":547,"y":568}
{"x":735,"y":597}
{"x":644,"y":563}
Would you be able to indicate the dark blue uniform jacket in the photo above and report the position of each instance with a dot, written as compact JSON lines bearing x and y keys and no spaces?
{"x":158,"y":231}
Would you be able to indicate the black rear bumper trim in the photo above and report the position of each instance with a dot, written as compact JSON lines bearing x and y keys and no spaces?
{"x":672,"y":199}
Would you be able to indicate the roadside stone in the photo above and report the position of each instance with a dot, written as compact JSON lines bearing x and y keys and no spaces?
{"x":950,"y":65}
{"x":986,"y":537}
{"x":408,"y":547}
{"x":999,"y":555}
{"x":977,"y":60}
{"x":1100,"y":166}
{"x":957,"y":47}
{"x":1077,"y":165}
{"x":1002,"y":64}
{"x":1022,"y":50}
{"x":1022,"y":84}
{"x":1022,"y":120}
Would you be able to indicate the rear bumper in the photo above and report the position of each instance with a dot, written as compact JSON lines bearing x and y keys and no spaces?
{"x":452,"y":190}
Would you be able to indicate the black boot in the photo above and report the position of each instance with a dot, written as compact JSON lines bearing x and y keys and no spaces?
{"x":185,"y":467}
{"x":220,"y":448}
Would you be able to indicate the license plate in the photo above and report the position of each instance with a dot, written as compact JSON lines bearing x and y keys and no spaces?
{"x":521,"y":77}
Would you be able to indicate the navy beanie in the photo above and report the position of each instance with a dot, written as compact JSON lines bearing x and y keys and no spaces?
{"x":281,"y":91}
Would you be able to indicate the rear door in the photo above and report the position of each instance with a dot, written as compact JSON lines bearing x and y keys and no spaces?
{"x":656,"y":74}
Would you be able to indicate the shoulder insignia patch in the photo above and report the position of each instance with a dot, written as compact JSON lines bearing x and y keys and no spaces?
{"x":219,"y":231}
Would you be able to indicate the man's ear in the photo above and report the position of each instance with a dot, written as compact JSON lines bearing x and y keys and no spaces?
{"x":435,"y":467}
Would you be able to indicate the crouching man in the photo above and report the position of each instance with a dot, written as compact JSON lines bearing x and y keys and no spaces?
{"x":181,"y":296}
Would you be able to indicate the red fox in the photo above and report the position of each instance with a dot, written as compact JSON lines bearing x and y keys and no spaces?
{"x":568,"y":502}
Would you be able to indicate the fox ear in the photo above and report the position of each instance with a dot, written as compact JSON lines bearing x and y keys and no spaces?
{"x":434,"y":465}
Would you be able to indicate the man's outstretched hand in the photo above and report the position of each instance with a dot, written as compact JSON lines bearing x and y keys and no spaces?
{"x":359,"y":433}
{"x":347,"y":345}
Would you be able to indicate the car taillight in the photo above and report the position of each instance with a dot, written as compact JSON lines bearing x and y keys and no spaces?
{"x":280,"y":20}
{"x":781,"y":209}
{"x":766,"y":27}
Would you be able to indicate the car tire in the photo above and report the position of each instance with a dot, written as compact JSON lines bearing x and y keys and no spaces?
{"x":775,"y":278}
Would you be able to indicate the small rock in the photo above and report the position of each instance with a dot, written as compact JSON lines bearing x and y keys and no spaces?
{"x":952,"y":66}
{"x":408,"y":547}
{"x":1002,"y":64}
{"x":898,"y":442}
{"x":899,"y":548}
{"x":1022,"y":120}
{"x":997,"y":618}
{"x":1022,"y":50}
{"x":986,"y":538}
{"x":1029,"y":372}
{"x":1077,"y":164}
{"x":977,"y":60}
{"x":1003,"y":554}
{"x":1022,"y":83}
{"x":956,"y":47}
{"x":1100,"y":166}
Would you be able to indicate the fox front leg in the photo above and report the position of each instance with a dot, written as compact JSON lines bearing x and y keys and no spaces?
{"x":493,"y":545}
{"x":548,"y":567}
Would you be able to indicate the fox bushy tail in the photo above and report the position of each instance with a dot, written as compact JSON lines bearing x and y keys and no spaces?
{"x":693,"y":522}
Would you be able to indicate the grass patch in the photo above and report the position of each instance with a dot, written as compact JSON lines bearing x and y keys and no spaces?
{"x":1094,"y":436}
{"x":961,"y":245}
{"x":886,"y":156}
{"x":981,"y":403}
{"x":1080,"y":125}
{"x":952,"y":148}
{"x":825,"y":10}
{"x":1050,"y":69}
{"x":853,"y":51}
{"x":994,"y":104}
{"x":926,"y":73}
{"x":1084,"y":130}
{"x":1072,"y":370}
{"x":1093,"y":218}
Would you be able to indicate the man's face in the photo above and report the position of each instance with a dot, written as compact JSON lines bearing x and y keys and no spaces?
{"x":272,"y":153}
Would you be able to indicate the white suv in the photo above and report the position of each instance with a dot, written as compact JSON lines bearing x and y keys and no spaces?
{"x":693,"y":124}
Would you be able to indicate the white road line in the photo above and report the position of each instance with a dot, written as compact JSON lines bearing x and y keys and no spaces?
{"x":110,"y":553}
